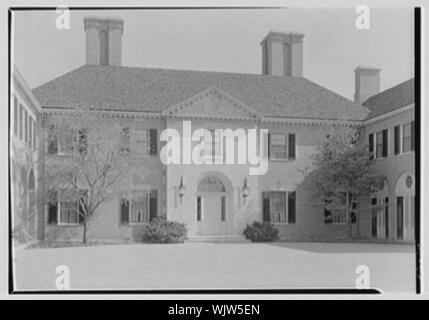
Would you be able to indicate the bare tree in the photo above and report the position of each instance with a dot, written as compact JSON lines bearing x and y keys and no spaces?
{"x":89,"y":159}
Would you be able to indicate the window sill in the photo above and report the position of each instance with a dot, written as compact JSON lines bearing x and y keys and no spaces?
{"x":67,"y":225}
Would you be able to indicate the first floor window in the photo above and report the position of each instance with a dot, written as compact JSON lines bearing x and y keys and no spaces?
{"x":66,"y":209}
{"x":279,"y":206}
{"x":337,"y":213}
{"x":139,"y":208}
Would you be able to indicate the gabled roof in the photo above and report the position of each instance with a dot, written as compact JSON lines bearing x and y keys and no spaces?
{"x":393,"y":98}
{"x":155,"y":90}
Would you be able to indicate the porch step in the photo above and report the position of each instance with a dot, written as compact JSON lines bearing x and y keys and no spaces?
{"x":218,"y":239}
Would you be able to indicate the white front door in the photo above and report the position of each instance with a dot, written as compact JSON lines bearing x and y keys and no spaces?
{"x":213,"y":215}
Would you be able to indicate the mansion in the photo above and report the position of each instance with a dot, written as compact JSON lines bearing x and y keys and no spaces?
{"x":213,"y":200}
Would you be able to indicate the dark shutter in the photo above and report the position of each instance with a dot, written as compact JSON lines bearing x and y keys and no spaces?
{"x":327,"y":213}
{"x":153,"y":204}
{"x":291,"y":146}
{"x":153,"y":141}
{"x":269,"y":145}
{"x":291,"y":202}
{"x":397,"y":139}
{"x":412,"y":136}
{"x":198,"y":208}
{"x":385,"y":143}
{"x":125,"y":211}
{"x":53,"y":208}
{"x":371,"y":145}
{"x":266,"y":206}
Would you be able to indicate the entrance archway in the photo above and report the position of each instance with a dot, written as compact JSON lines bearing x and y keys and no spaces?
{"x":213,"y":202}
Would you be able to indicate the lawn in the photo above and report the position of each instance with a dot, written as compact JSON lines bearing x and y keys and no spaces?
{"x":218,"y":265}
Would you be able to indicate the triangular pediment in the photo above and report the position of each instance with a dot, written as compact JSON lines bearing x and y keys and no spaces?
{"x":212,"y":103}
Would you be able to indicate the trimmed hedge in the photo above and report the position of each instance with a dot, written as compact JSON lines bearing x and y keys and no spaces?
{"x":161,"y":230}
{"x":261,"y":232}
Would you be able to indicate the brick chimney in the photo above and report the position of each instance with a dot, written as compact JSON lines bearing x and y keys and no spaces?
{"x":103,"y":41}
{"x":367,"y":83}
{"x":282,"y":54}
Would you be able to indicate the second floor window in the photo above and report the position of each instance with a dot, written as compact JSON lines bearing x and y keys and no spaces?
{"x":408,"y":137}
{"x":282,"y":146}
{"x":381,"y":145}
{"x":140,"y":142}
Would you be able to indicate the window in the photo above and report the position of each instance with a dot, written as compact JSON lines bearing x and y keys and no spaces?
{"x":140,"y":208}
{"x":62,"y":210}
{"x":279,"y":206}
{"x":52,"y":140}
{"x":21,"y":121}
{"x":381,"y":144}
{"x":66,"y":137}
{"x":277,"y":146}
{"x":143,"y":141}
{"x":15,"y":116}
{"x":371,"y":145}
{"x":338,"y":215}
{"x":408,"y":138}
{"x":25,"y":126}
{"x":212,"y":144}
{"x":397,"y":139}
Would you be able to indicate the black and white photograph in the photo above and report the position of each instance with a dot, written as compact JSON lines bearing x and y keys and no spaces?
{"x":212,"y":149}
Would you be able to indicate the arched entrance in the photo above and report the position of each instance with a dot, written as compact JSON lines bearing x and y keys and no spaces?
{"x":213,"y":200}
{"x":405,"y":204}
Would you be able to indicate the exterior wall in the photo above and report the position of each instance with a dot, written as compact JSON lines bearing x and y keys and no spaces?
{"x":27,"y":213}
{"x":392,"y":167}
{"x":289,"y":176}
{"x":105,"y":224}
{"x":281,"y":175}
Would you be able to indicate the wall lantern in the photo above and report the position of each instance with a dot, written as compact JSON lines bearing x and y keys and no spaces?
{"x":181,"y":190}
{"x":245,"y":190}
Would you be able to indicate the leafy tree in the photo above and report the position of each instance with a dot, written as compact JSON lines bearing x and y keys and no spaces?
{"x":343,"y":173}
{"x":88,"y":158}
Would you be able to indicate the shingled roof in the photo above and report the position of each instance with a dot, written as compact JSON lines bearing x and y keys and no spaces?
{"x":393,"y":98}
{"x":154,"y":90}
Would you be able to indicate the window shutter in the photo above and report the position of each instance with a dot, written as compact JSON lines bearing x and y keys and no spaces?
{"x":292,"y":146}
{"x":371,"y":144}
{"x":385,"y":143}
{"x":412,"y":136}
{"x":153,"y":141}
{"x":53,"y":208}
{"x":397,"y":139}
{"x":291,"y":207}
{"x":265,"y":206}
{"x":153,"y":204}
{"x":125,"y":205}
{"x":269,"y":145}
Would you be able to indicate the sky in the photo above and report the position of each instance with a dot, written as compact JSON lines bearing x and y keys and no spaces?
{"x":226,"y":41}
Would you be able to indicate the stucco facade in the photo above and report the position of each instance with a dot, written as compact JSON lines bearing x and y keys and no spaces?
{"x":220,"y":199}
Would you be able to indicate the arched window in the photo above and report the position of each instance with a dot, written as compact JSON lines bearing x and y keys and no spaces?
{"x":211,"y":184}
{"x":104,"y":47}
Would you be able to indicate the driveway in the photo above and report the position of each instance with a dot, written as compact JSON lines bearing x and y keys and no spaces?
{"x":218,"y":265}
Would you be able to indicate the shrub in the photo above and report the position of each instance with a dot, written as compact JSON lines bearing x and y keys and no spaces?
{"x":161,"y":230}
{"x":261,"y":232}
